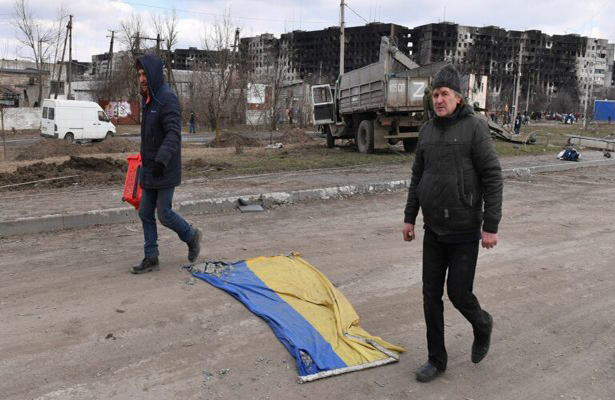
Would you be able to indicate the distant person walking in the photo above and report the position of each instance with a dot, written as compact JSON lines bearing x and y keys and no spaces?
{"x":192,"y":127}
{"x":161,"y":158}
{"x":518,"y":122}
{"x":457,"y":183}
{"x":427,"y":105}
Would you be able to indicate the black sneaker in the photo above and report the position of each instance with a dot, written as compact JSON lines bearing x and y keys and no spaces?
{"x":194,"y":247}
{"x":427,"y":372}
{"x":480,"y":346}
{"x":148,"y":264}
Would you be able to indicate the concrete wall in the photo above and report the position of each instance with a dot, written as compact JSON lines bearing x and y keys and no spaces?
{"x":22,"y":118}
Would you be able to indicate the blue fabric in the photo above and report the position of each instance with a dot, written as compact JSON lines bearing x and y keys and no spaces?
{"x":294,"y":331}
{"x":161,"y":200}
{"x":160,"y":128}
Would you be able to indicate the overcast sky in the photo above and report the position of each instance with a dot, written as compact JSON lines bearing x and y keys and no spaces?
{"x":93,"y":19}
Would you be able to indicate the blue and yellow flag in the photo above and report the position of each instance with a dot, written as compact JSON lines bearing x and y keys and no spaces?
{"x":313,"y":319}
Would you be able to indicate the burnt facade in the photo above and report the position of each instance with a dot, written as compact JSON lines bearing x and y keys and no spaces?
{"x":549,"y":63}
{"x":314,"y":56}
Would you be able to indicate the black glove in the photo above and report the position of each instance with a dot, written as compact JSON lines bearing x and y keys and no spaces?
{"x":158,"y":169}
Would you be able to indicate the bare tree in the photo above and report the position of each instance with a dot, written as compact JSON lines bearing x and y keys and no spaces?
{"x":166,"y":29}
{"x":59,"y":34}
{"x":564,"y":102}
{"x":38,"y":39}
{"x":217,"y":81}
{"x":131,"y":31}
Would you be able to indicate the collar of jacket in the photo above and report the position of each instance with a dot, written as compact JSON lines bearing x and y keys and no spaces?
{"x":460,"y":112}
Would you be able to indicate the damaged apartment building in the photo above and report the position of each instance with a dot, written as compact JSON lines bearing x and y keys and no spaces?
{"x":313,"y":56}
{"x":550,"y":64}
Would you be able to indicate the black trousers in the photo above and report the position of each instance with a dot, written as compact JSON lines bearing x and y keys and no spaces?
{"x":460,"y":261}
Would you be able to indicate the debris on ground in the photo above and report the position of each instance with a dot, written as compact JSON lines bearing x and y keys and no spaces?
{"x":215,"y":268}
{"x":85,"y":171}
{"x":246,"y":207}
{"x":296,"y":135}
{"x":56,"y":148}
{"x":274,"y":146}
{"x":199,"y":164}
{"x":228,"y":139}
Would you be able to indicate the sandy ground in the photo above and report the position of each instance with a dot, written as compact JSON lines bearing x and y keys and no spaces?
{"x":74,"y":324}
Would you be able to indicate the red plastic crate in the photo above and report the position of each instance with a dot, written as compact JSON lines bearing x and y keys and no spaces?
{"x":132,"y":187}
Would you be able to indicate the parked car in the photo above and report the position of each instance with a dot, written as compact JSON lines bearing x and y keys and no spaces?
{"x":75,"y":121}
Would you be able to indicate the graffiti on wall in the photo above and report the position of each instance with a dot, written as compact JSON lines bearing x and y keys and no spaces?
{"x":118,"y":109}
{"x":121,"y":111}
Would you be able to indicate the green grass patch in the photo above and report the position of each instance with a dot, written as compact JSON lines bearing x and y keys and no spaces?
{"x":293,"y":158}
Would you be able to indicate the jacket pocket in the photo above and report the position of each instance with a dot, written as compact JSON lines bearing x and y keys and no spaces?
{"x":467,"y":188}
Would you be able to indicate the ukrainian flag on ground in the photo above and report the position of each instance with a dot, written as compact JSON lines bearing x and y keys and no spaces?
{"x":312,"y":319}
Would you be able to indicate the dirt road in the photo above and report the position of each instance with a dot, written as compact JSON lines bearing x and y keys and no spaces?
{"x":74,"y":324}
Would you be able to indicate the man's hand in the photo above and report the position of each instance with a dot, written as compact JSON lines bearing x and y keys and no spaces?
{"x":408,"y":232}
{"x":158,"y":169}
{"x":489,"y":240}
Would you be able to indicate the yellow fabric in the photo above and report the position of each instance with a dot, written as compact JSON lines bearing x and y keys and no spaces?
{"x":313,"y":296}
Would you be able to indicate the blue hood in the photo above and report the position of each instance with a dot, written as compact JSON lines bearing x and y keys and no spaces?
{"x":153,"y":67}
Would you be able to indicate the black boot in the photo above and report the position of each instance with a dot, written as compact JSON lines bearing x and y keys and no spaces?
{"x":194,"y":247}
{"x":427,"y":372}
{"x":480,"y":346}
{"x":148,"y":264}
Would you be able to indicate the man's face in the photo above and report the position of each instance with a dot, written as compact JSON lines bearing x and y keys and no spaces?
{"x":445,"y":101}
{"x":143,"y":81}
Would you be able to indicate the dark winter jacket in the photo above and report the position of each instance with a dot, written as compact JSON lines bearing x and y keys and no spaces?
{"x":456,"y":169}
{"x":160,"y":129}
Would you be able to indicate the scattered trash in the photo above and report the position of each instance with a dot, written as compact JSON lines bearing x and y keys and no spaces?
{"x":207,"y":376}
{"x":110,"y":336}
{"x":223,"y":371}
{"x":119,"y":311}
{"x":212,"y":268}
{"x":274,"y":146}
{"x":569,"y":154}
{"x":191,"y":281}
{"x":245,"y":207}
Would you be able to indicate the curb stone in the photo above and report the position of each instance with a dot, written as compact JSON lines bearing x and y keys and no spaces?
{"x":55,"y":222}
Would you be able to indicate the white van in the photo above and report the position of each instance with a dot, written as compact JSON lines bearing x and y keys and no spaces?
{"x":75,"y":121}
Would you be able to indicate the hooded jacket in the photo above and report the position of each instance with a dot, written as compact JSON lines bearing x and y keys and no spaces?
{"x":455,"y":174}
{"x":160,"y":128}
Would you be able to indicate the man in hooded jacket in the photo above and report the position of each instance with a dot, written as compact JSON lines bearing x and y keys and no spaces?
{"x":161,"y":163}
{"x":457,"y":183}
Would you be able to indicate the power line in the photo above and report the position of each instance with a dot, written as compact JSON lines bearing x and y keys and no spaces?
{"x":357,"y":14}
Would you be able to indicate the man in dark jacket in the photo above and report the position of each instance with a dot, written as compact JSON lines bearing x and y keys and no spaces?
{"x":161,"y":159}
{"x":455,"y":174}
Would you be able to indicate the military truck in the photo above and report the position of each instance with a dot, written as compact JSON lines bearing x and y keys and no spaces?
{"x":377,"y":105}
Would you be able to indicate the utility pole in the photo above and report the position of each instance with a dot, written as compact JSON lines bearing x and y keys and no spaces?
{"x":110,"y":63}
{"x":69,"y":96}
{"x":137,"y":45}
{"x":518,"y":87}
{"x":3,"y":138}
{"x":158,"y":43}
{"x":527,"y":101}
{"x":39,"y":61}
{"x":342,"y":5}
{"x":590,"y":88}
{"x":61,"y":63}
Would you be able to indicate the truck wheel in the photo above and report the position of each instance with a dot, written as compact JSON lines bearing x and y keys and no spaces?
{"x":109,"y":135}
{"x":365,"y":137}
{"x":330,"y":138}
{"x":69,"y":138}
{"x":410,"y":145}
